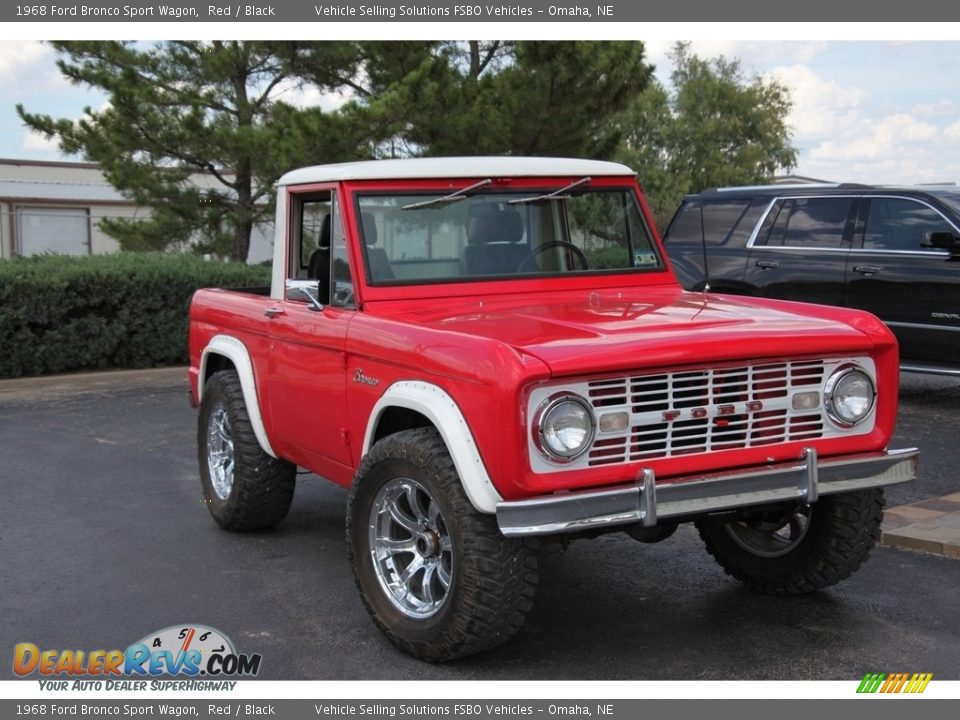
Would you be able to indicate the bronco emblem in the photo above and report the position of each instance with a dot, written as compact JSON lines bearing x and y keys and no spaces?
{"x":359,"y":377}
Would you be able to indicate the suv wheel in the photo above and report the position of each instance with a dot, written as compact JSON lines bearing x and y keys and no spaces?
{"x":244,"y":487}
{"x":438,"y":577}
{"x":800,"y":549}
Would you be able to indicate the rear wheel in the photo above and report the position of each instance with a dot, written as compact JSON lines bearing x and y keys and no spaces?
{"x":797,"y":549}
{"x":436,"y":575}
{"x":243,"y":486}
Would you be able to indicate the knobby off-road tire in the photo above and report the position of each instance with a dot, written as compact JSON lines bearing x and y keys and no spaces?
{"x":244,"y":487}
{"x":438,"y":577}
{"x":839,"y":534}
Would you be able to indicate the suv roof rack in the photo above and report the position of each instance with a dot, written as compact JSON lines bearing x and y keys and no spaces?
{"x":787,"y":187}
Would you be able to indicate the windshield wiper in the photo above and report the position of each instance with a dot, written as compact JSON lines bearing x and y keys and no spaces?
{"x":451,"y":198}
{"x":555,"y":195}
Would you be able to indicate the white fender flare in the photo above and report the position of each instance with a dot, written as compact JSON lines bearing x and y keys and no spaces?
{"x":237,"y":353}
{"x":438,"y":407}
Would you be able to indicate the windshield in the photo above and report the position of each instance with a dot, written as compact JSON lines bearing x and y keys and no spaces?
{"x":415,"y":238}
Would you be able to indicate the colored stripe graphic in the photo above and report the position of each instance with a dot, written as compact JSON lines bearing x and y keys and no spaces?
{"x":894,"y":683}
{"x":871,"y":682}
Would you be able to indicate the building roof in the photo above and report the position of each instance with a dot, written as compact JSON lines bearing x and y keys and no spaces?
{"x":459,"y":167}
{"x":60,"y":191}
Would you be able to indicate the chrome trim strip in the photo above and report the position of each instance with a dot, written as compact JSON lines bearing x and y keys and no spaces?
{"x":760,"y":222}
{"x":647,"y":502}
{"x":932,"y":370}
{"x":921,"y":253}
{"x":794,"y":248}
{"x":921,"y":326}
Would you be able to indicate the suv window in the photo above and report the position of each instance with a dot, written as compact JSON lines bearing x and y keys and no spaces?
{"x":901,"y":224}
{"x":807,"y":223}
{"x":719,"y":221}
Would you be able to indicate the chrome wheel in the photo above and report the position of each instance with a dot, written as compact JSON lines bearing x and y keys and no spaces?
{"x":220,"y":456}
{"x":771,"y":534}
{"x":411,"y":549}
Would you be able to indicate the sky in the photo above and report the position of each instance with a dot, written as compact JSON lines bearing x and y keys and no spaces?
{"x":863,"y":111}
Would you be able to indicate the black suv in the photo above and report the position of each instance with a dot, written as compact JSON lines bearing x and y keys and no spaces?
{"x":892,"y":251}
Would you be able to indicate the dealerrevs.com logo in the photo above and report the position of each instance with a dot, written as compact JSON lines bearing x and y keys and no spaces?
{"x":179,"y":650}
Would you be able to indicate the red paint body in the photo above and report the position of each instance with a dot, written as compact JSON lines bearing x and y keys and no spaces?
{"x":488,"y":342}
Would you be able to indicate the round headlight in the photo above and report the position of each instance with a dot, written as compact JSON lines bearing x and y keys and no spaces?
{"x":850,"y":394}
{"x":565,"y":427}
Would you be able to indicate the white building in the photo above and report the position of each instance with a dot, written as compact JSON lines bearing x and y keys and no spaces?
{"x":56,"y":207}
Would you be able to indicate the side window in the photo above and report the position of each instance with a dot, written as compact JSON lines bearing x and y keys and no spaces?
{"x":341,"y":281}
{"x":319,"y":262}
{"x":310,"y":220}
{"x":719,"y":221}
{"x":898,"y":224}
{"x":808,"y":223}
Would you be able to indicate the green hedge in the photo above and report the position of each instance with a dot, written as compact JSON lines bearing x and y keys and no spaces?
{"x":127,"y":310}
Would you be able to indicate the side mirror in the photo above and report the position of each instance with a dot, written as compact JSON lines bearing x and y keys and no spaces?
{"x":942,"y":241}
{"x":308,"y":290}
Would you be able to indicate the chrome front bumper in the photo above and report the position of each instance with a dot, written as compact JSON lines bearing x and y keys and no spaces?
{"x":646,"y":503}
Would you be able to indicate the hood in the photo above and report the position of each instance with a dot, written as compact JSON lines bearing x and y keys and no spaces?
{"x":578,"y":332}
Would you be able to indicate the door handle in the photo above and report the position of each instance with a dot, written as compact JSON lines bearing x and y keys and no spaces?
{"x":867,"y":269}
{"x":273,"y":312}
{"x":768,"y":264}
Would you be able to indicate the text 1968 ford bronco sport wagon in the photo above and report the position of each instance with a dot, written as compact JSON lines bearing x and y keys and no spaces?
{"x":494,"y":352}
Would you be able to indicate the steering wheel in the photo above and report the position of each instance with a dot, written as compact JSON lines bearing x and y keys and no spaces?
{"x":578,"y":253}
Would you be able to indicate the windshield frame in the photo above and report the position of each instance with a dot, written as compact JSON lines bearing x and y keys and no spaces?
{"x":521,"y":187}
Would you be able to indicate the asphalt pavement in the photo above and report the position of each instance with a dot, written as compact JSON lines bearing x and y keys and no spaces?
{"x":104,"y":538}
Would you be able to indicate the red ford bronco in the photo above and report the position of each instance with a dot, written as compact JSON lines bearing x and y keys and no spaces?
{"x":494,"y":352}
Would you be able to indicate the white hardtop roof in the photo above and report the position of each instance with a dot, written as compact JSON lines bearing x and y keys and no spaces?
{"x":450,"y":167}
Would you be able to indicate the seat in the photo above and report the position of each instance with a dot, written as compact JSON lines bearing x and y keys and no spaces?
{"x":493,"y":243}
{"x":319,"y":266}
{"x":379,"y":263}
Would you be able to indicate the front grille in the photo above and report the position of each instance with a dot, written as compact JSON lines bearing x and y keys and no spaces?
{"x":698,"y":411}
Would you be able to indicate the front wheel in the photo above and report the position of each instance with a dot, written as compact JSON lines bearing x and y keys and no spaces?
{"x":797,"y":549}
{"x":436,"y":575}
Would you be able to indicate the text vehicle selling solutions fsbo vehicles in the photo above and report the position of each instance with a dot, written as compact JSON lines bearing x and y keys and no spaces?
{"x":493,"y":353}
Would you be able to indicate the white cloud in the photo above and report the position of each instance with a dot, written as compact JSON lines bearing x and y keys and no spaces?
{"x":14,"y":56}
{"x":28,"y":65}
{"x":952,"y":132}
{"x":305,"y":95}
{"x":752,"y":55}
{"x":36,"y":142}
{"x":937,"y":108}
{"x":819,"y":105}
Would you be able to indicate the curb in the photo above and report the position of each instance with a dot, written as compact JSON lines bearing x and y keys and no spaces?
{"x":78,"y":383}
{"x":930,"y":526}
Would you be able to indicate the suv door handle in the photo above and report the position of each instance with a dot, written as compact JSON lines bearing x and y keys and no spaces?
{"x":768,"y":264}
{"x":867,"y":269}
{"x":273,"y":312}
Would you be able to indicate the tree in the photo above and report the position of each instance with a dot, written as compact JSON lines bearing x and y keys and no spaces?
{"x":497,"y":97}
{"x":179,"y":108}
{"x":714,"y":127}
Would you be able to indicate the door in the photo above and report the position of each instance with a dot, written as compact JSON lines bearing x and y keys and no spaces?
{"x":799,"y":251}
{"x":896,"y":274}
{"x":307,"y":374}
{"x":65,"y":231}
